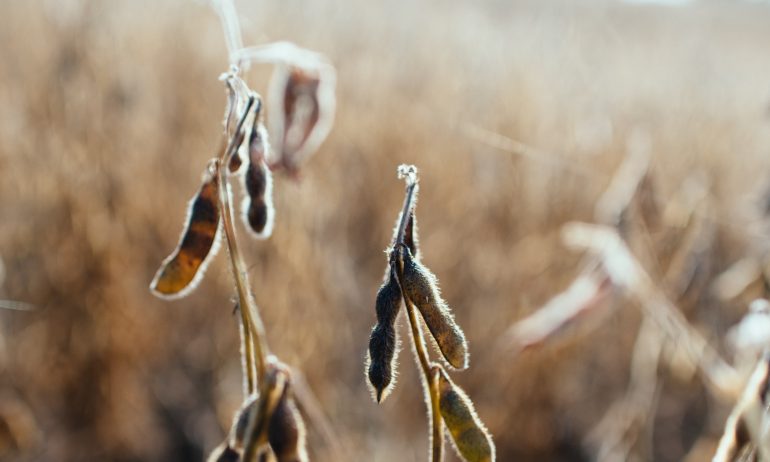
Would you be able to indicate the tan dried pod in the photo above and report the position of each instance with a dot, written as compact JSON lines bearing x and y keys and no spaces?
{"x":410,"y":235}
{"x":257,"y":208}
{"x":181,"y":272}
{"x":420,"y":287}
{"x":383,"y":341}
{"x":471,"y":439}
{"x":286,"y":431}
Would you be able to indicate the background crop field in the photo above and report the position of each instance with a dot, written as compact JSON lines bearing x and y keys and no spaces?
{"x":110,"y":109}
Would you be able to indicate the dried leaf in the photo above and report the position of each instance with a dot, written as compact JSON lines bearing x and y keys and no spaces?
{"x":302,"y":110}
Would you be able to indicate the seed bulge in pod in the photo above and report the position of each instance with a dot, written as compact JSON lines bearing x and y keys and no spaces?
{"x":257,"y":208}
{"x":383,"y":342}
{"x":472,"y":440}
{"x":420,"y":287}
{"x":286,"y":431}
{"x":183,"y":269}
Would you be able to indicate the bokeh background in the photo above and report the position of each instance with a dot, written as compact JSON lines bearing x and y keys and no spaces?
{"x":109,"y":111}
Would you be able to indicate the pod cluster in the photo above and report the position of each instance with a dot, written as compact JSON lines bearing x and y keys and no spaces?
{"x":181,"y":272}
{"x":267,"y":423}
{"x":407,"y":280}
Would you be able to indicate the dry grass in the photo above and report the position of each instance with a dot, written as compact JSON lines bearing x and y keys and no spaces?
{"x":107,"y":114}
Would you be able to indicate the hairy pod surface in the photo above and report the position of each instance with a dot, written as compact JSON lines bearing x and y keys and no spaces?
{"x":472,"y":440}
{"x":224,"y":453}
{"x":241,"y":421}
{"x":383,"y":341}
{"x":286,"y":431}
{"x":410,"y":235}
{"x":257,"y":207}
{"x":183,"y":269}
{"x":419,"y":286}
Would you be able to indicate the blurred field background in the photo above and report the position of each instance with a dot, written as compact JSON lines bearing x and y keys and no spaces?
{"x":110,"y":110}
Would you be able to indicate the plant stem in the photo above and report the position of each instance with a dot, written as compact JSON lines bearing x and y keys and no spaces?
{"x":437,"y":439}
{"x":430,"y":380}
{"x":430,"y":384}
{"x":254,"y":329}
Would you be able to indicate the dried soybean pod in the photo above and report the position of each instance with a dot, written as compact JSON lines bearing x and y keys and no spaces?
{"x":419,"y":286}
{"x":183,"y":269}
{"x":410,"y":235}
{"x":224,"y":453}
{"x":241,"y":421}
{"x":257,"y":207}
{"x":472,"y":440}
{"x":286,"y":431}
{"x":383,"y":341}
{"x":302,"y":112}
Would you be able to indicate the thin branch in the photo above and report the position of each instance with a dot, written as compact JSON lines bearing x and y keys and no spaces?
{"x":626,"y":272}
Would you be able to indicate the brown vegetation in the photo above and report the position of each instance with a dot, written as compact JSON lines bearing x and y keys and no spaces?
{"x":108,"y":111}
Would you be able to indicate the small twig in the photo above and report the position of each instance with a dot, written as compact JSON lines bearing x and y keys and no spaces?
{"x":437,"y":424}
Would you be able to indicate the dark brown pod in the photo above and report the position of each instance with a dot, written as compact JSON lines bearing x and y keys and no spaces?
{"x":420,"y":287}
{"x":472,"y":440}
{"x":383,"y":341}
{"x":183,"y":269}
{"x":301,"y":113}
{"x":286,"y":431}
{"x":257,"y":207}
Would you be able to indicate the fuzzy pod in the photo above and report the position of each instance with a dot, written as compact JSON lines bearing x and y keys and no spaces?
{"x":471,"y":439}
{"x":286,"y":430}
{"x":410,"y":235}
{"x":257,"y":207}
{"x":383,"y":341}
{"x":420,"y":287}
{"x":181,"y":272}
{"x":224,"y":453}
{"x":241,"y":421}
